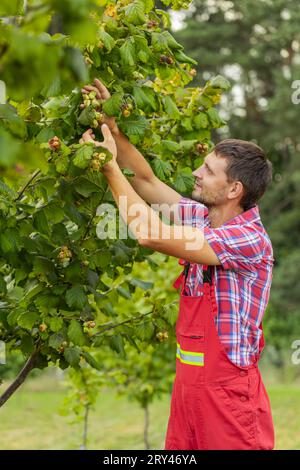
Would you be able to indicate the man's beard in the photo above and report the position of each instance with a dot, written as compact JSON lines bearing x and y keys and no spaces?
{"x":202,"y":199}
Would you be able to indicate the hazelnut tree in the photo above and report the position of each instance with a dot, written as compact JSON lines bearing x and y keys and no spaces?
{"x":59,"y":283}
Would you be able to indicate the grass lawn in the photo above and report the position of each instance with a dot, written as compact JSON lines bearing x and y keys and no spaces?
{"x":30,"y":419}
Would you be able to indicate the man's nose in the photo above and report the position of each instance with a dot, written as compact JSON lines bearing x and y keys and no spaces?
{"x":198,"y":173}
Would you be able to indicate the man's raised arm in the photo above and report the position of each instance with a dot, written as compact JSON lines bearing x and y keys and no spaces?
{"x":145,"y":183}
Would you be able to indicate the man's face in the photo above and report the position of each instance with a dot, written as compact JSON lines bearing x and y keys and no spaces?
{"x":211,"y":185}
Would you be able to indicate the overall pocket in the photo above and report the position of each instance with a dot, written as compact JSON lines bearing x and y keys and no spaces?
{"x":190,"y":356}
{"x":236,"y":397}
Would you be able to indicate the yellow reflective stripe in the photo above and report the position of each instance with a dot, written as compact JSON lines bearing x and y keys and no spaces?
{"x":190,"y":353}
{"x":190,"y":357}
{"x":190,"y":363}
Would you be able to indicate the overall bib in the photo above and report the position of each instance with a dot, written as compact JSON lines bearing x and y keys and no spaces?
{"x":215,"y":403}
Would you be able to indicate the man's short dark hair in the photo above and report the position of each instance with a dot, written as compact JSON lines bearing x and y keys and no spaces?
{"x":248,"y":164}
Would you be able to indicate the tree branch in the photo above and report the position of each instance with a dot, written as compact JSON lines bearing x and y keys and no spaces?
{"x":29,"y":365}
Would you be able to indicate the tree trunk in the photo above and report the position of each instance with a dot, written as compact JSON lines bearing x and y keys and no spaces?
{"x":29,"y":365}
{"x":85,"y":428}
{"x":146,"y":428}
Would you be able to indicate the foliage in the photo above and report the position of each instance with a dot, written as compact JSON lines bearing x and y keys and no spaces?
{"x":60,"y":284}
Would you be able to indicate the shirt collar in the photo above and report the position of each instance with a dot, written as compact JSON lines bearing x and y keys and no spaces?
{"x":252,"y":215}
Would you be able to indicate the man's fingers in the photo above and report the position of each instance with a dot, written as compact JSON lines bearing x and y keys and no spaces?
{"x":89,"y":88}
{"x":87,"y":136}
{"x":106,"y":132}
{"x":102,"y":89}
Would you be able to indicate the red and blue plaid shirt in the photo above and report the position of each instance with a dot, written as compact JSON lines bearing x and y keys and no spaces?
{"x":243,"y":279}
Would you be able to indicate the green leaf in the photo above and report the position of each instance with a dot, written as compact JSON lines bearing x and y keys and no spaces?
{"x":27,"y":344}
{"x":184,"y":182}
{"x":44,"y":265}
{"x":12,"y":317}
{"x":100,"y":259}
{"x":28,"y":319}
{"x":3,"y":288}
{"x":9,"y":149}
{"x":85,"y":187}
{"x":145,"y":331}
{"x":135,"y":12}
{"x":165,"y":18}
{"x":159,"y":42}
{"x":54,"y":212}
{"x":187,"y":145}
{"x":170,"y":107}
{"x":127,"y":52}
{"x":214,"y":118}
{"x":171,"y":41}
{"x":55,"y":341}
{"x":83,"y":156}
{"x":171,"y":145}
{"x":56,"y":324}
{"x":148,"y":5}
{"x":11,"y":7}
{"x":220,"y":82}
{"x":134,"y":125}
{"x":107,"y":40}
{"x":162,"y":169}
{"x":72,"y":356}
{"x":171,"y":313}
{"x":92,"y":278}
{"x":123,"y":292}
{"x":40,"y":222}
{"x":62,"y":164}
{"x":112,"y":106}
{"x":6,"y":190}
{"x":200,"y":121}
{"x":181,"y":57}
{"x":86,"y":116}
{"x":16,"y":125}
{"x":45,"y":302}
{"x":91,"y":360}
{"x":10,"y":240}
{"x":142,"y":284}
{"x":117,"y":344}
{"x":145,"y":98}
{"x":76,"y":297}
{"x":75,"y":333}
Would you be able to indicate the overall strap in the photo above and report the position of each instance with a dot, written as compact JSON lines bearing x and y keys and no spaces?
{"x":207,"y":274}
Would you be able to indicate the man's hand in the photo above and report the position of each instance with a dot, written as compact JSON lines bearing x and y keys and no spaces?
{"x":108,"y":143}
{"x":103,"y":94}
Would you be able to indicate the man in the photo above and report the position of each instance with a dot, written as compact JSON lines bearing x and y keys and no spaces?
{"x":218,"y":400}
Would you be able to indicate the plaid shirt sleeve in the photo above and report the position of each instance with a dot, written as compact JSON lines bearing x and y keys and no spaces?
{"x":237,"y":247}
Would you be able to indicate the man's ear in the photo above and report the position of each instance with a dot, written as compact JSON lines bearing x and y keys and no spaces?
{"x":236,"y":190}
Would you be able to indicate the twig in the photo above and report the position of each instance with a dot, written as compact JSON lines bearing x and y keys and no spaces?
{"x":29,"y":365}
{"x":122,"y":323}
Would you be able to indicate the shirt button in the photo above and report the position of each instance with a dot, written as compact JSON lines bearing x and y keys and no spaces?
{"x":243,"y":373}
{"x":243,"y":398}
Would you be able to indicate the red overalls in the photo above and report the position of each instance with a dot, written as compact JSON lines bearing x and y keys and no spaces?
{"x":215,"y":403}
